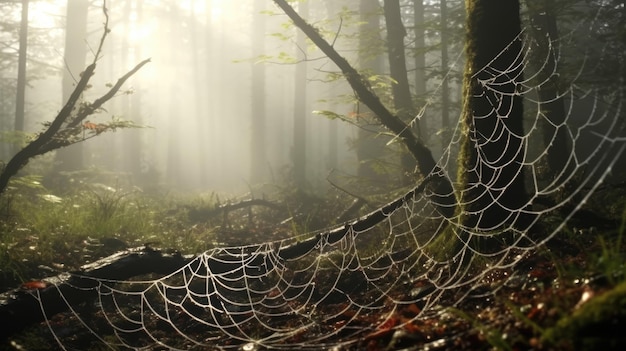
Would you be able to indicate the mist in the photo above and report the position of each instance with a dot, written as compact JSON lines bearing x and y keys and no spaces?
{"x":195,"y":98}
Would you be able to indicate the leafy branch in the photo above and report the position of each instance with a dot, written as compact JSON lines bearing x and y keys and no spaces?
{"x":443,"y":193}
{"x":70,"y":126}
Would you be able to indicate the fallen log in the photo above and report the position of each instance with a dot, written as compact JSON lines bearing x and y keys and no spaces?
{"x":22,"y":306}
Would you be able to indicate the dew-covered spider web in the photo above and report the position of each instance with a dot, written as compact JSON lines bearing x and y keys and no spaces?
{"x":333,"y":288}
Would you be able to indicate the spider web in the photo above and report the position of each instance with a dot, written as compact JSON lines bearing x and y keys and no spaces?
{"x":332,"y":288}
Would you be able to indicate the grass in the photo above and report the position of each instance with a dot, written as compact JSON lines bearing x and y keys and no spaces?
{"x":65,"y":233}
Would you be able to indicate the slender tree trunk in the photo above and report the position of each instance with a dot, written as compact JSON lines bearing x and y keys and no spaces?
{"x":300,"y":109}
{"x":122,"y":154}
{"x":445,"y":89}
{"x":134,"y":140}
{"x":420,"y":57}
{"x":201,"y":106}
{"x":175,"y":153}
{"x":555,"y":136}
{"x":370,"y":146}
{"x":258,"y":156}
{"x":401,"y":91}
{"x":21,"y":71}
{"x":332,"y":9}
{"x":75,"y":55}
{"x":397,"y":60}
{"x":492,"y":153}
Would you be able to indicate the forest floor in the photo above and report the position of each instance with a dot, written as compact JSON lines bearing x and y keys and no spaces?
{"x":568,"y":295}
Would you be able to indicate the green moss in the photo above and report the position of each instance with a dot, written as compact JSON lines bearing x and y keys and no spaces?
{"x":596,"y":325}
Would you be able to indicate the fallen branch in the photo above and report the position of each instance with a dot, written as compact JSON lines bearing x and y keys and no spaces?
{"x":22,"y":306}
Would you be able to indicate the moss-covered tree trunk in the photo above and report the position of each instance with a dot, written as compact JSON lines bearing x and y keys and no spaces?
{"x":492,"y":151}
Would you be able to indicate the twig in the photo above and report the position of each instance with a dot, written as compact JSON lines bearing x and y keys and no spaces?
{"x":106,"y":97}
{"x":107,"y":30}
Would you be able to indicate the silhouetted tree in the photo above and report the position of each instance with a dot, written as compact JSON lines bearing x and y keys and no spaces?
{"x":555,"y":136}
{"x":419,"y":31}
{"x":401,"y":91}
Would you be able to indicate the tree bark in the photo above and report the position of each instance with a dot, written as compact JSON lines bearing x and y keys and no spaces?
{"x":401,"y":90}
{"x":445,"y":90}
{"x":419,"y":31}
{"x":492,"y":153}
{"x":555,"y":136}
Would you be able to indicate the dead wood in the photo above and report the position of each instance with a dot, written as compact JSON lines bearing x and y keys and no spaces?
{"x":22,"y":306}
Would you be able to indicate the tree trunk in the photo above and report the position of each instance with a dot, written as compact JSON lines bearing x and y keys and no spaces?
{"x":492,"y":151}
{"x":21,"y":70}
{"x":175,"y":154}
{"x":445,"y":90}
{"x":300,"y":110}
{"x":75,"y":55}
{"x":419,"y":31}
{"x":132,"y":141}
{"x":370,"y":145}
{"x":554,"y":130}
{"x":401,"y":91}
{"x":258,"y":156}
{"x":200,"y":39}
{"x":333,"y":126}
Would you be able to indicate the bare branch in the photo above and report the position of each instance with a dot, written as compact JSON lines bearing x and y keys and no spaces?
{"x":106,"y":97}
{"x":107,"y":30}
{"x":58,"y":133}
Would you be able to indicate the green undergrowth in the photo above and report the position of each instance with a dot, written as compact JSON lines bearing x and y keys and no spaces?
{"x":41,"y":233}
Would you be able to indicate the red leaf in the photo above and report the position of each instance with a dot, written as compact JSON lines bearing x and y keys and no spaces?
{"x":35,"y":284}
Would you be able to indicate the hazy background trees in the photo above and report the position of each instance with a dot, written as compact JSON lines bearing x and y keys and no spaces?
{"x":216,"y":124}
{"x":232,"y":88}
